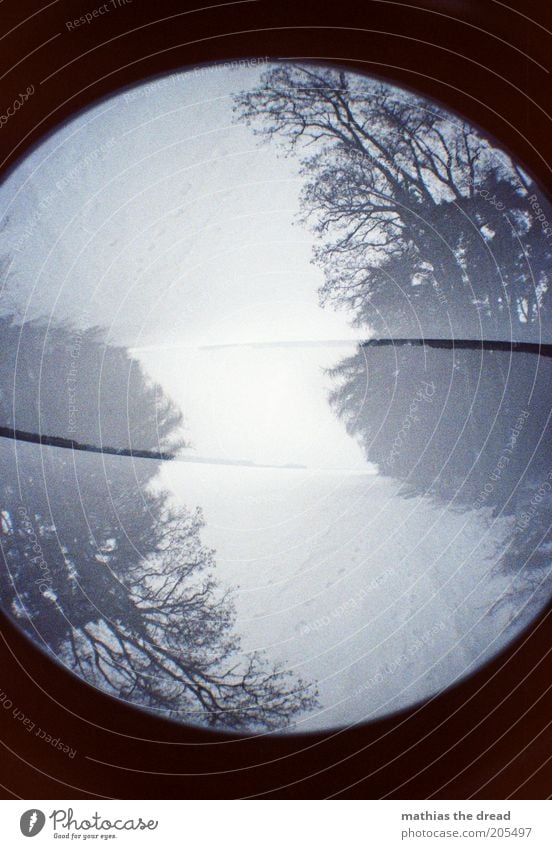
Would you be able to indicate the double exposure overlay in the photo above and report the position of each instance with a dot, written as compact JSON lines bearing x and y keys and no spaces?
{"x":274,"y":397}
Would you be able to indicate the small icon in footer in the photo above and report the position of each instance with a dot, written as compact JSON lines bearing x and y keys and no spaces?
{"x":32,"y":822}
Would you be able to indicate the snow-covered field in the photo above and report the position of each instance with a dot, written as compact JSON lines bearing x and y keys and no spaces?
{"x":381,"y":600}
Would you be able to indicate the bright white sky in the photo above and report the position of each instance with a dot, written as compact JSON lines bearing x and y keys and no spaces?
{"x":156,"y":217}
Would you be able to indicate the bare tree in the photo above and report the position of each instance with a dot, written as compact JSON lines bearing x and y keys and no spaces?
{"x":170,"y":643}
{"x":99,"y":567}
{"x":418,"y":218}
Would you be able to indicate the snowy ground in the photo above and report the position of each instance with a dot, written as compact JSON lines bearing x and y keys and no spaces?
{"x":381,"y":600}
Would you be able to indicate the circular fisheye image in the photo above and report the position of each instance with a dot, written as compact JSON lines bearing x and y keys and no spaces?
{"x":274,"y":397}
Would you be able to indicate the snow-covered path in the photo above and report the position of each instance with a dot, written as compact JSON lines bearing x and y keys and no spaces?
{"x":381,"y":600}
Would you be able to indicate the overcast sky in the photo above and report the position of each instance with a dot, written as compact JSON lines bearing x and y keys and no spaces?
{"x":157,"y":217}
